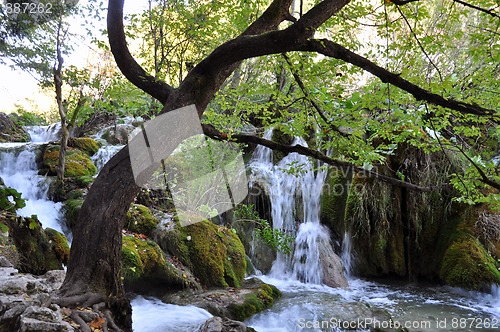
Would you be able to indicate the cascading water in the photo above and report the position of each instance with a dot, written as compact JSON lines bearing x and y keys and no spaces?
{"x":284,"y":189}
{"x":346,"y":254}
{"x":18,"y":169}
{"x":42,"y":134}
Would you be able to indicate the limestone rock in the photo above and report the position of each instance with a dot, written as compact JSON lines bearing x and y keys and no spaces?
{"x":333,"y":270}
{"x":217,"y":324}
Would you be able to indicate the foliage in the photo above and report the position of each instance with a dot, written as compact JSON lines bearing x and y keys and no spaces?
{"x":275,"y":238}
{"x":10,"y":199}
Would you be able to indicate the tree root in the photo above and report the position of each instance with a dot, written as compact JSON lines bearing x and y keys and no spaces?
{"x":98,"y":316}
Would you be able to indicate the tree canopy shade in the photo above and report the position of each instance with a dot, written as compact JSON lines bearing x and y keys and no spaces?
{"x":436,"y":66}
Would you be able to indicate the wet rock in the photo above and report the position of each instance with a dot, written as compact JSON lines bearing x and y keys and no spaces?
{"x":78,"y":163}
{"x":217,"y":324}
{"x":232,"y":303}
{"x":331,"y":264}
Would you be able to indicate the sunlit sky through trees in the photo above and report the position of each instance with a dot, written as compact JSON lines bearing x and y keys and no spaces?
{"x":20,"y":88}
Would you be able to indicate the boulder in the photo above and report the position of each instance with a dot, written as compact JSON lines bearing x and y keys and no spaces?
{"x":140,"y":220}
{"x":10,"y":131}
{"x":85,"y":144}
{"x":145,"y":267}
{"x":217,"y":324}
{"x":230,"y":303}
{"x":213,"y":253}
{"x":78,"y":163}
{"x":331,"y":264}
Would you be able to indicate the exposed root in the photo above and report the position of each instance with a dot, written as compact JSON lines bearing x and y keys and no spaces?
{"x":84,"y":300}
{"x":92,"y":313}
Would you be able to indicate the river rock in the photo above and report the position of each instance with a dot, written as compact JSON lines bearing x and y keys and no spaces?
{"x":331,"y":264}
{"x":217,"y":324}
{"x":25,"y":301}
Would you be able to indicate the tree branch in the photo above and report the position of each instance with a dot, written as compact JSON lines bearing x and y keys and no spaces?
{"x":318,"y":109}
{"x":211,"y":132}
{"x":334,"y":50}
{"x":487,"y":11}
{"x":126,"y":62}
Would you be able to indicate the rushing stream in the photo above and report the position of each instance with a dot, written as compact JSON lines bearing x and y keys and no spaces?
{"x":306,"y":305}
{"x":18,"y":169}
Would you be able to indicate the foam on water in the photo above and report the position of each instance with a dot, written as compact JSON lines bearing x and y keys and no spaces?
{"x":149,"y":314}
{"x":18,"y":169}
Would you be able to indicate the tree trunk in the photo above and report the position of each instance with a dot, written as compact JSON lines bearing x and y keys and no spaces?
{"x":94,"y":266}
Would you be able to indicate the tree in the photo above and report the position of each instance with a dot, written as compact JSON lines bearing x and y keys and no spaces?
{"x":94,"y":268}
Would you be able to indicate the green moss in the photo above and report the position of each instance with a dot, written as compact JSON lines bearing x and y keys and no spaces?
{"x":257,"y":301}
{"x":213,"y":253}
{"x":77,"y":163}
{"x":84,"y":181}
{"x":466,"y":263}
{"x":144,"y":261}
{"x":85,"y":144}
{"x":38,"y":253}
{"x":132,"y":268}
{"x":334,"y":200}
{"x":4,"y":228}
{"x":59,"y":244}
{"x":140,"y":220}
{"x":72,"y":209}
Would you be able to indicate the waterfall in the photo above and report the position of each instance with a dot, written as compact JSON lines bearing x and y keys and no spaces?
{"x":18,"y":169}
{"x":41,"y":134}
{"x":104,"y":154}
{"x":295,"y":200}
{"x":346,"y":254}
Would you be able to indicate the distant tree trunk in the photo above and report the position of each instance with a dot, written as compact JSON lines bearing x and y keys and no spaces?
{"x":61,"y":105}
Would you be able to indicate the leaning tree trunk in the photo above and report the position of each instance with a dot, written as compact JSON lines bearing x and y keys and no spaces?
{"x":94,"y":268}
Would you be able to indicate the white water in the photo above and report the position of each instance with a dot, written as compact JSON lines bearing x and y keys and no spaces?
{"x":407,"y":304}
{"x":104,"y":154}
{"x":153,"y":315}
{"x":18,"y":169}
{"x":285,"y":189}
{"x":42,"y":134}
{"x":346,"y":255}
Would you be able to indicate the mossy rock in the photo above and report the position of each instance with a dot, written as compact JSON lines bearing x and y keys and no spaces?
{"x":77,"y":163}
{"x":85,"y":144}
{"x":467,"y":264}
{"x":11,"y":131}
{"x":140,"y":220}
{"x":334,"y":200}
{"x":259,"y":299}
{"x":213,"y":253}
{"x":72,"y":209}
{"x":144,"y":265}
{"x":84,"y":181}
{"x":39,"y":251}
{"x":59,"y":244}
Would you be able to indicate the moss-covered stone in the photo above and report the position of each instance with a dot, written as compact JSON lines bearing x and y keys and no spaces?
{"x":84,"y":181}
{"x":11,"y":131}
{"x":213,"y":253}
{"x":77,"y":163}
{"x":140,"y":220}
{"x":144,"y":265}
{"x":260,"y":299}
{"x":37,"y":251}
{"x":72,"y":209}
{"x":85,"y":144}
{"x":467,"y":264}
{"x":334,"y":200}
{"x":59,"y":244}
